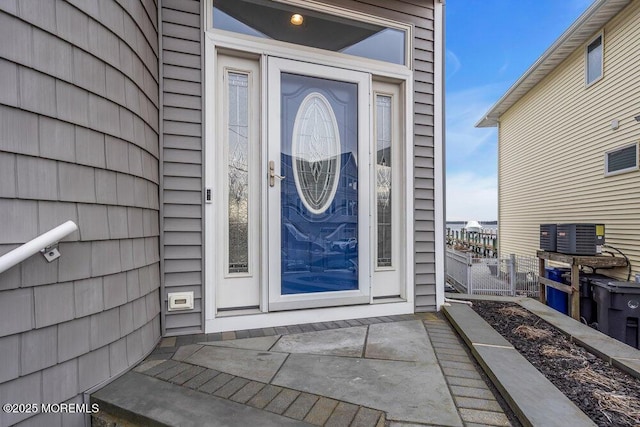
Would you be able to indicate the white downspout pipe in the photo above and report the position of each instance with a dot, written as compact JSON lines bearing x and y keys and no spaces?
{"x":439,"y":151}
{"x":449,"y":301}
{"x":34,"y":246}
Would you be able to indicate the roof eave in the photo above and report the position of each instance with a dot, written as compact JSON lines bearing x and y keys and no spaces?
{"x":487,"y":122}
{"x":577,"y":34}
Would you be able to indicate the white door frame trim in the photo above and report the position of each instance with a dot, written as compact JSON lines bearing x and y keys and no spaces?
{"x":210,"y":211}
{"x":214,"y":322}
{"x":439,"y":151}
{"x":295,"y":317}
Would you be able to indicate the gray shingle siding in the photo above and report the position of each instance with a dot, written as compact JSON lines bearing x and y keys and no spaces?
{"x":79,"y":99}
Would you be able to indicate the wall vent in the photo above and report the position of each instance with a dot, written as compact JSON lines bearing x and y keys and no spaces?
{"x":620,"y":160}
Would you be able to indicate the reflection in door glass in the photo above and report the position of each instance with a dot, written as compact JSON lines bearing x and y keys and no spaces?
{"x":319,"y":196}
{"x":238,"y":167}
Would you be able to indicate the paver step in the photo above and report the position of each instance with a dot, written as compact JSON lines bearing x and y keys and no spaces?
{"x":474,"y":400}
{"x":126,"y":405}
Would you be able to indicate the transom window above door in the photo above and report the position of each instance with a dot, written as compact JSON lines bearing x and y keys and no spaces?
{"x":295,"y":24}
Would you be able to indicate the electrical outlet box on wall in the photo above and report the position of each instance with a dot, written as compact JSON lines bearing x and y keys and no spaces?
{"x":179,"y":301}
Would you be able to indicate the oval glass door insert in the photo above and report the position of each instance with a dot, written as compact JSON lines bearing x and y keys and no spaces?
{"x":316,"y":153}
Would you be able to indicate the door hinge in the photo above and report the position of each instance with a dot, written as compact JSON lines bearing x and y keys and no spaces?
{"x":208,"y":196}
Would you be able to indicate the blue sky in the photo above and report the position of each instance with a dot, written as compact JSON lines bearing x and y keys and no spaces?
{"x":489,"y":45}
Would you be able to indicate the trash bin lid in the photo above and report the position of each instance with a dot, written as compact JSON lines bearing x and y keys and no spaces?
{"x":592,"y":277}
{"x":617,"y":286}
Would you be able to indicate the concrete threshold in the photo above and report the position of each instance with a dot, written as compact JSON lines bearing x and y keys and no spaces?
{"x":533,"y":398}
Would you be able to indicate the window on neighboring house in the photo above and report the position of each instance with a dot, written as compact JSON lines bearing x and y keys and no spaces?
{"x":620,"y":160}
{"x":594,"y":60}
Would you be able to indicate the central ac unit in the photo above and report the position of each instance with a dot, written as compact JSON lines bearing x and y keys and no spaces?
{"x":580,"y":239}
{"x":548,"y":234}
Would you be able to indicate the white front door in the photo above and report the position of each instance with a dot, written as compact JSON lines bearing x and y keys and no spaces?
{"x":318,"y":185}
{"x":308,"y":187}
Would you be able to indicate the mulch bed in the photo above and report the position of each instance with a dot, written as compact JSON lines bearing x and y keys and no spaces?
{"x":607,"y":395}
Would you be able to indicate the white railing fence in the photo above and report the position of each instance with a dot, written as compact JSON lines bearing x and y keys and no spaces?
{"x":458,"y":269}
{"x":512,"y":275}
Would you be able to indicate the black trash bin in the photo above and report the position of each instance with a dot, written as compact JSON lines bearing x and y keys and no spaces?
{"x":618,"y":310}
{"x":588,"y":307}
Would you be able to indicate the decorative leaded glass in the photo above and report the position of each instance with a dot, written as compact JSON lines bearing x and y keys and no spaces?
{"x":238,"y":169}
{"x":383,"y":178}
{"x":316,"y":153}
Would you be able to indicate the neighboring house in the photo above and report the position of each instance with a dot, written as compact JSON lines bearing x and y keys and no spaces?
{"x":568,"y":135}
{"x":152,"y":125}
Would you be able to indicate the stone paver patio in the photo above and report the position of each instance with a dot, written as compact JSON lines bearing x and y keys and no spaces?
{"x":394,"y":371}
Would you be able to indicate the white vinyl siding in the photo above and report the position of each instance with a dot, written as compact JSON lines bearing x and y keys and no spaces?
{"x":552,"y":143}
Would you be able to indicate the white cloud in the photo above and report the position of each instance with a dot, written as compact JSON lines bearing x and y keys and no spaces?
{"x":504,"y":68}
{"x":471,"y":178}
{"x":464,"y":109}
{"x":471,"y":196}
{"x":453,"y":63}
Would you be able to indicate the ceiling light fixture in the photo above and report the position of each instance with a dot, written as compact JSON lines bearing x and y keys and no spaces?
{"x":297,"y":19}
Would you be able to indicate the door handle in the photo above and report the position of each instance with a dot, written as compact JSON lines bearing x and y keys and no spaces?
{"x":272,"y":174}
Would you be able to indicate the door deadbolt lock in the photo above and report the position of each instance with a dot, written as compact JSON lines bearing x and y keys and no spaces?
{"x":272,"y":174}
